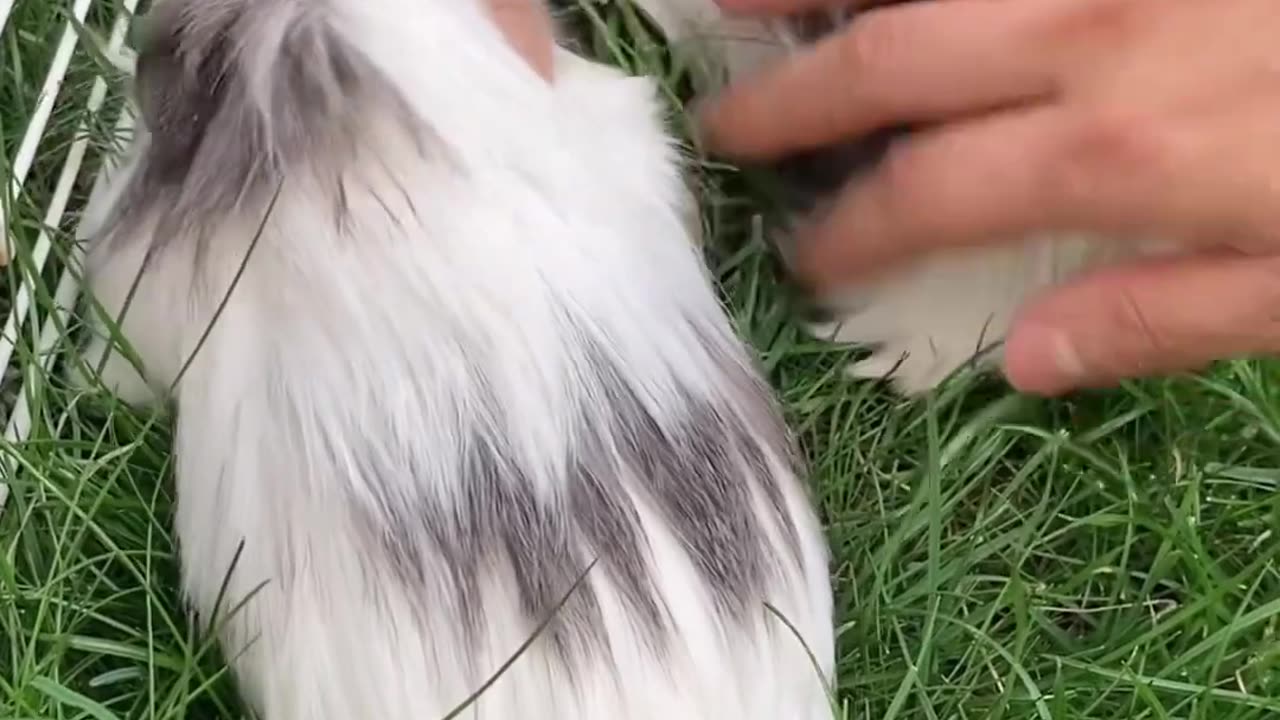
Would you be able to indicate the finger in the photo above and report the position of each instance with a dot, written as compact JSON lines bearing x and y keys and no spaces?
{"x":1151,"y":319}
{"x":1001,"y":176}
{"x":900,"y":65}
{"x":964,"y":184}
{"x":527,"y":26}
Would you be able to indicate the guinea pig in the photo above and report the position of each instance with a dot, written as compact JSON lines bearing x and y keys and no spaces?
{"x":929,"y":319}
{"x":460,"y":419}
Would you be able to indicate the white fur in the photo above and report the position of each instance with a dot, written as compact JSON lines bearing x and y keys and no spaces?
{"x":549,"y":198}
{"x":943,"y":313}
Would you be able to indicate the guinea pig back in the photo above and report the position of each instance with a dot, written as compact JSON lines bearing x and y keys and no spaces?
{"x":450,"y":374}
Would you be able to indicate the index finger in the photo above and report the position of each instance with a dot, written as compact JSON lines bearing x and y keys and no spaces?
{"x":906,"y":64}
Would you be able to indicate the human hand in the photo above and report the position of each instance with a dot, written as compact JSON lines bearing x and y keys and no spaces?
{"x":1129,"y":118}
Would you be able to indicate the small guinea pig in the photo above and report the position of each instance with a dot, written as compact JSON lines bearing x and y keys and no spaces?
{"x":933,"y":317}
{"x":449,"y":375}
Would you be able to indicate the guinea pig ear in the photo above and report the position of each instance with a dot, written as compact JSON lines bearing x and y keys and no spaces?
{"x":178,"y":86}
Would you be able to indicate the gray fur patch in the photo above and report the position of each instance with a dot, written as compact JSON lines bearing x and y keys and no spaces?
{"x":698,"y":472}
{"x":233,"y":96}
{"x":701,"y":474}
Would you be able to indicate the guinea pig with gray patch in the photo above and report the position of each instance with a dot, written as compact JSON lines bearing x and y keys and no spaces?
{"x":449,"y":374}
{"x":936,"y":315}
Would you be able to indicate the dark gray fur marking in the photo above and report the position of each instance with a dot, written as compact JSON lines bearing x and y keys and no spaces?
{"x":696,"y":473}
{"x":226,"y":126}
{"x":700,"y":473}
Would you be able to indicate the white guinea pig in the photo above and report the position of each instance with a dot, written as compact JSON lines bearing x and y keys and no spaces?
{"x":450,"y":366}
{"x":933,"y":317}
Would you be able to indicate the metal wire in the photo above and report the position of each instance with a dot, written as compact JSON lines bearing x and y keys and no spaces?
{"x":34,"y":369}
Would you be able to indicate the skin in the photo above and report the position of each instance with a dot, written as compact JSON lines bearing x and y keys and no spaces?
{"x":528,"y":28}
{"x":1135,"y":119}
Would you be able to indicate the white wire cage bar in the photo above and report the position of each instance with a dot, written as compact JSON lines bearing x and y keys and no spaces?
{"x":40,"y":328}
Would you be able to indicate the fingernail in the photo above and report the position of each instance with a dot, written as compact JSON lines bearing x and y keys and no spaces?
{"x":1042,"y":359}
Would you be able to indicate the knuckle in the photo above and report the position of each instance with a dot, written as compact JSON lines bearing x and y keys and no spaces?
{"x":1120,"y":135}
{"x":1268,"y":301}
{"x":916,"y":195}
{"x":903,"y":173}
{"x":1094,"y":24}
{"x":1128,"y":340}
{"x":873,"y":42}
{"x":863,"y":59}
{"x":1133,"y":320}
{"x":1108,"y":147}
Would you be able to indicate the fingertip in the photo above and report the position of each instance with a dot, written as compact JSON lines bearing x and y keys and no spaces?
{"x":1044,"y":360}
{"x":853,"y":237}
{"x":729,"y":123}
{"x":806,"y":268}
{"x":823,"y":246}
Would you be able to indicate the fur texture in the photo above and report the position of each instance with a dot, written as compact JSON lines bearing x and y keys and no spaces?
{"x":937,"y":315}
{"x":463,"y":351}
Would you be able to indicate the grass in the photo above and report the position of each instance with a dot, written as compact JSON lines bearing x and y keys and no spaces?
{"x":1111,"y":555}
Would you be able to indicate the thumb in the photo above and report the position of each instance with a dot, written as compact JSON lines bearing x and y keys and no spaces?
{"x":1152,"y":318}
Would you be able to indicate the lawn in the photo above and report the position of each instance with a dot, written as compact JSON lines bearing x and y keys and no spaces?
{"x":1109,"y":555}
